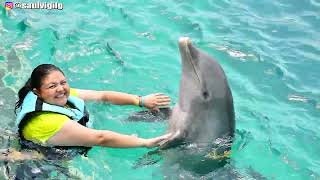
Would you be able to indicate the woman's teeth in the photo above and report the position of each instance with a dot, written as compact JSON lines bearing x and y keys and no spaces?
{"x":60,"y":96}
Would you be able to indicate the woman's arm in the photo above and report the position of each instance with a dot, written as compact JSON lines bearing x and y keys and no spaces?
{"x":74,"y":134}
{"x":120,"y":98}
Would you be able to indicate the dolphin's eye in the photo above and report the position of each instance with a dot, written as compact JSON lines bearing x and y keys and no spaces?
{"x":205,"y":94}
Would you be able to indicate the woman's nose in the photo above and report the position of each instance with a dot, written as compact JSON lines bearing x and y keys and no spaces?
{"x":60,"y":88}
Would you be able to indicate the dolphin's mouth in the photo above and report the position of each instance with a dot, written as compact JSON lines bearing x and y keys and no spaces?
{"x":184,"y":41}
{"x":184,"y":46}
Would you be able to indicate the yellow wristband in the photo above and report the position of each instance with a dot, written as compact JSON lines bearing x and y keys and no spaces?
{"x":137,"y":101}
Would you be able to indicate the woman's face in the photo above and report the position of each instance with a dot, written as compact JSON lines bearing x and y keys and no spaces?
{"x":54,"y":89}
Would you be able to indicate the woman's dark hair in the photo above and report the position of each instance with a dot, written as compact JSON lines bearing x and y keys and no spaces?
{"x":34,"y":81}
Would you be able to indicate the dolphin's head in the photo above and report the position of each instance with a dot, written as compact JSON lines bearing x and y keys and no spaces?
{"x":202,"y":77}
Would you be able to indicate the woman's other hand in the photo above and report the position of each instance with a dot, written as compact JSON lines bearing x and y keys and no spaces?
{"x":153,"y":101}
{"x":155,"y":141}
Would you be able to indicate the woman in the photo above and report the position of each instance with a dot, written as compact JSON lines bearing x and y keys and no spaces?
{"x":50,"y":113}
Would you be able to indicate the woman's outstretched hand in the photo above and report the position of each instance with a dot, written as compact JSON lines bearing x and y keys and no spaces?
{"x":155,"y":141}
{"x":152,"y":101}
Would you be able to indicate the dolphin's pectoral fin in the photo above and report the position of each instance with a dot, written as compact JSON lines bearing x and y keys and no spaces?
{"x":151,"y":116}
{"x":150,"y":158}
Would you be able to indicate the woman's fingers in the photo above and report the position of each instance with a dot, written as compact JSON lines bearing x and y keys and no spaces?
{"x":162,"y":104}
{"x":163,"y":98}
{"x":155,"y":141}
{"x":163,"y":101}
{"x":156,"y":99}
{"x":165,"y":136}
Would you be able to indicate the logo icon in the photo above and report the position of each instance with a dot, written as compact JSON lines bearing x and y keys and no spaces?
{"x":8,"y":5}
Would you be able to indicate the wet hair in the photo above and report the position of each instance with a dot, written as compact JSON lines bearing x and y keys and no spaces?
{"x":35,"y":80}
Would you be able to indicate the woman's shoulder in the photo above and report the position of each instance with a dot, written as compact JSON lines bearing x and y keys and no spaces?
{"x":74,"y":92}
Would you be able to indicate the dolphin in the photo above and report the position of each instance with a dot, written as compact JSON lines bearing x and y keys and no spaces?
{"x":202,"y":122}
{"x":205,"y":111}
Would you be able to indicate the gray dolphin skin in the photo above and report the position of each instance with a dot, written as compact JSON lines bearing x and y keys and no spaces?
{"x":205,"y":109}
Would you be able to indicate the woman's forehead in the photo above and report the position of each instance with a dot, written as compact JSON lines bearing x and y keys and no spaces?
{"x":52,"y":77}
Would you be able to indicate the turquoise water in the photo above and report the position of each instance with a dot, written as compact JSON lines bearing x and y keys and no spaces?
{"x":268,"y":49}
